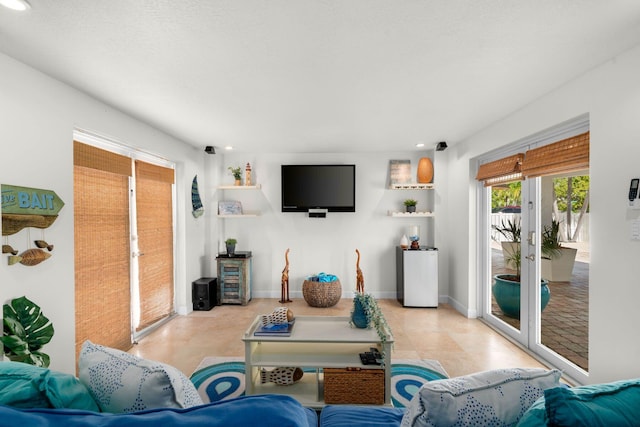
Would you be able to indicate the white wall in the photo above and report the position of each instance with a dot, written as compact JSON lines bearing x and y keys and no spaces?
{"x":39,"y":115}
{"x":322,"y":244}
{"x":611,"y":96}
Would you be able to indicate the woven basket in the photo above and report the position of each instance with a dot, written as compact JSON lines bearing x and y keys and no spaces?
{"x":354,"y":386}
{"x":321,"y":294}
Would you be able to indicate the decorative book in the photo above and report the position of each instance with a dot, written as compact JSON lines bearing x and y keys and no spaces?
{"x":229,"y":207}
{"x":271,"y":329}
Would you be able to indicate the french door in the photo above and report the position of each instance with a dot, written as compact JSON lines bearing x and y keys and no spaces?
{"x":124,"y":256}
{"x":546,"y":313}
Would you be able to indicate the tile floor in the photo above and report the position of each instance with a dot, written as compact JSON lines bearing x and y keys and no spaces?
{"x":461,"y":345}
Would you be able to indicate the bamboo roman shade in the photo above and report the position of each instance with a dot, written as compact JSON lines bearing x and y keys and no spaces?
{"x":95,"y":158}
{"x":501,"y":171}
{"x":154,"y":199}
{"x":568,"y":155}
{"x":102,"y":254}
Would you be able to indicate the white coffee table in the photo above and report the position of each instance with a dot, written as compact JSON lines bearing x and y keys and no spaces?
{"x":315,"y":342}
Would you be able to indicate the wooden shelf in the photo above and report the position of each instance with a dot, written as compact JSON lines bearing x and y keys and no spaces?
{"x":413,"y":186}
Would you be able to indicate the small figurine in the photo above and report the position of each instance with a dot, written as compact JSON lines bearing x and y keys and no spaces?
{"x":359,"y":276}
{"x":281,"y":376}
{"x":279,"y":316}
{"x":247,"y":175}
{"x":284,"y":282}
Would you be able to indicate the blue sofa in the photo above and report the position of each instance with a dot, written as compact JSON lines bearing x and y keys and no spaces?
{"x":113,"y":387}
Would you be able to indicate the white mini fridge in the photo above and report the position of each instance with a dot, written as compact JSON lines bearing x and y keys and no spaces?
{"x":417,"y":276}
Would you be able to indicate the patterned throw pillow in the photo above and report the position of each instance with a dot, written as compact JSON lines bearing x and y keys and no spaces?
{"x":499,"y":397}
{"x":121,"y":382}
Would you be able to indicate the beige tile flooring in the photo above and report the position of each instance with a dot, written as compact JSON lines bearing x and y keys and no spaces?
{"x":461,"y":345}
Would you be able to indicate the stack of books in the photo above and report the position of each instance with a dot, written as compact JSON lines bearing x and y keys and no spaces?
{"x":270,"y":329}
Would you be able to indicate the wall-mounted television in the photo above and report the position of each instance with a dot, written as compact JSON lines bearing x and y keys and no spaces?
{"x":330,"y":187}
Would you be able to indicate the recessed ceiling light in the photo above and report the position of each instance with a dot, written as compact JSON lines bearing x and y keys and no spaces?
{"x":420,"y":144}
{"x":19,"y":5}
{"x":228,"y":147}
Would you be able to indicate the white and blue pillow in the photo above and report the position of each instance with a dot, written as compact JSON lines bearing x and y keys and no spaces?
{"x":122,"y":382}
{"x":499,"y":397}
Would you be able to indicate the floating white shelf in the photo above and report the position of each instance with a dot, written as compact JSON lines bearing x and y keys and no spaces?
{"x":410,"y":214}
{"x":413,"y":186}
{"x":239,"y":187}
{"x":244,"y":215}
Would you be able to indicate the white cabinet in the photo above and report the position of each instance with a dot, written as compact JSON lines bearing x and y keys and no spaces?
{"x":316,"y":342}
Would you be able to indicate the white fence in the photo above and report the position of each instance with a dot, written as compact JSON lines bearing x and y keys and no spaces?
{"x":583,"y":235}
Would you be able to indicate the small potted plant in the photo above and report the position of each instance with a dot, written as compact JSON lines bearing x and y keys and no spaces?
{"x":410,"y":205}
{"x":366,"y":313}
{"x":237,"y":174}
{"x":231,"y":246}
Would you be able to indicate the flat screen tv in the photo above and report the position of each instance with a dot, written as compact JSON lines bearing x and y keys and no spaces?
{"x":330,"y":187}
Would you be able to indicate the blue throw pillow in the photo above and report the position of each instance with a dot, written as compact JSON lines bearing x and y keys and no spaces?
{"x":611,"y":404}
{"x":28,"y":386}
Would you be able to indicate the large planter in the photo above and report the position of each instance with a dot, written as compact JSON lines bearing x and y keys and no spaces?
{"x":560,"y":268}
{"x":507,"y":295}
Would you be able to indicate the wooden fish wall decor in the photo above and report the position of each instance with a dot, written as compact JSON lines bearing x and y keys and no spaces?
{"x":32,"y":257}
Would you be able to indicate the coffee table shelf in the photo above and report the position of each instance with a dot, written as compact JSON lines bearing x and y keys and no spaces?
{"x":316,"y":342}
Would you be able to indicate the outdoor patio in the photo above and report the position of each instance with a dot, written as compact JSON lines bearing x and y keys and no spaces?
{"x":565,"y":320}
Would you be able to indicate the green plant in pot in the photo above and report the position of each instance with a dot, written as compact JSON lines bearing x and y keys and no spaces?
{"x":510,"y":230}
{"x":231,"y":246}
{"x":557,"y":260}
{"x":26,"y":330}
{"x":366,"y":313}
{"x":410,"y":205}
{"x":237,"y":173}
{"x":506,"y":287}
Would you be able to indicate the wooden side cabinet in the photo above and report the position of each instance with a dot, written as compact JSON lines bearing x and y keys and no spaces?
{"x":234,"y":279}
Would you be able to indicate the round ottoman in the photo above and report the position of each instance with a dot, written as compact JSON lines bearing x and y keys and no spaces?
{"x":321,"y":294}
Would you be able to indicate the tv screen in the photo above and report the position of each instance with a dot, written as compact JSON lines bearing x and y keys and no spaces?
{"x":331,"y":187}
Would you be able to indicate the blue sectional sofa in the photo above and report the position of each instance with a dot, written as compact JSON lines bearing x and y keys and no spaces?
{"x":118,"y":389}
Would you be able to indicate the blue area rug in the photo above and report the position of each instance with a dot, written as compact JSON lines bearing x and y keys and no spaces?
{"x":223,"y":378}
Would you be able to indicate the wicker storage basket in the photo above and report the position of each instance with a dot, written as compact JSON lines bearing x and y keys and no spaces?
{"x":354,"y":386}
{"x":321,"y":294}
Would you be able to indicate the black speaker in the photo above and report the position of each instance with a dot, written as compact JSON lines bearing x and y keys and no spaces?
{"x":204,"y":293}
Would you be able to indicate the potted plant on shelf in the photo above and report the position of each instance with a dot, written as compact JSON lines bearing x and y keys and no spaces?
{"x":506,"y":287}
{"x":237,"y":174}
{"x":410,"y":205}
{"x":26,"y":330}
{"x":231,"y":246}
{"x":557,"y":260}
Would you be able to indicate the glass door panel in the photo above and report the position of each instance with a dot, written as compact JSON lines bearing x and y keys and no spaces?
{"x":564,"y":264}
{"x":505,"y":249}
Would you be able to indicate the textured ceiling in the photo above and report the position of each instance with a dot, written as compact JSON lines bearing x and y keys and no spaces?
{"x":318,"y":75}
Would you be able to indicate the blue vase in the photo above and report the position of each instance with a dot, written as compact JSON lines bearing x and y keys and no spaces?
{"x":358,"y":317}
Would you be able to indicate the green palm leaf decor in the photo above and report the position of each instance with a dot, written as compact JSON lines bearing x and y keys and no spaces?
{"x":26,"y":330}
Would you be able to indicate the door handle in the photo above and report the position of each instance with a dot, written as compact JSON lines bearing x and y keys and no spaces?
{"x":531,"y":257}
